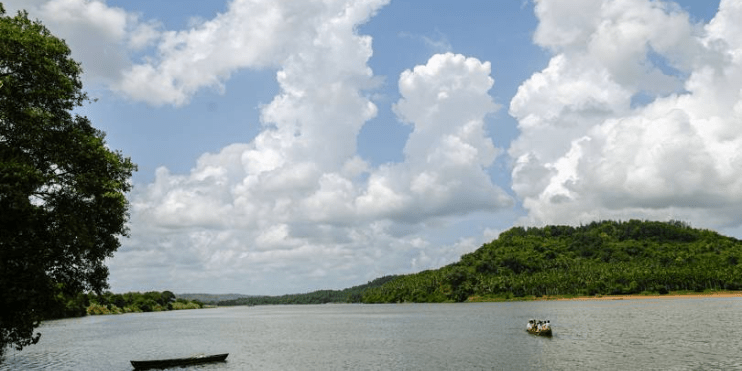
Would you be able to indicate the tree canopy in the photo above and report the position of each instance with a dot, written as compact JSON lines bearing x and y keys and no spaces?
{"x":62,"y":191}
{"x":151,"y":301}
{"x":602,"y":258}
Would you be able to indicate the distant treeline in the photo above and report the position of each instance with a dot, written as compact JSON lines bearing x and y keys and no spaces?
{"x":350,"y":295}
{"x":209,"y":298}
{"x":602,"y":258}
{"x":82,"y":304}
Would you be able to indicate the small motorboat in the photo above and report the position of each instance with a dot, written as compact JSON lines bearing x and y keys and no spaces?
{"x":538,"y":327}
{"x":176,"y":362}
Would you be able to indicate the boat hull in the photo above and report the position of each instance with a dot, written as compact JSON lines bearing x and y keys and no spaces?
{"x":540,"y":333}
{"x":176,"y":362}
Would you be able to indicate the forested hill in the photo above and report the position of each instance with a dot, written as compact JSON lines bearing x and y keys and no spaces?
{"x":349,"y":295}
{"x":607,"y":258}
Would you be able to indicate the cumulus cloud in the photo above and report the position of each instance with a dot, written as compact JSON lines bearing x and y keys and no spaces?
{"x":636,"y":115}
{"x":101,"y":37}
{"x":298,"y":197}
{"x":296,"y":207}
{"x":446,"y":101}
{"x":250,"y":34}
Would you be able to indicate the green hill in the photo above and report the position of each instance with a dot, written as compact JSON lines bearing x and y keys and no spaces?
{"x":603,"y":258}
{"x":349,"y":295}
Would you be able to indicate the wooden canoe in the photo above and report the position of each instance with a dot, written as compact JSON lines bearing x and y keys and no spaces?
{"x":176,"y":362}
{"x":546,"y":332}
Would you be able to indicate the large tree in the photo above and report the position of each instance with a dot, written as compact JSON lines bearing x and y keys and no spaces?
{"x":62,"y":191}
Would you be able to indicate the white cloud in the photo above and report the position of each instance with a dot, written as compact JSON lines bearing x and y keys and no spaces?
{"x":589,"y":149}
{"x":447,"y":153}
{"x":636,"y":115}
{"x":250,"y":34}
{"x":298,"y":204}
{"x":101,"y":37}
{"x":144,"y":35}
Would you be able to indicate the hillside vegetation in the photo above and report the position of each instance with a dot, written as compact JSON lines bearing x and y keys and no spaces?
{"x":603,"y":258}
{"x":349,"y":295}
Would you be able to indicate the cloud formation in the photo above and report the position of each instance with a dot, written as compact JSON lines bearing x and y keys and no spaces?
{"x":637,"y":115}
{"x":250,"y":34}
{"x":101,"y":37}
{"x":296,"y":208}
{"x":297,"y":204}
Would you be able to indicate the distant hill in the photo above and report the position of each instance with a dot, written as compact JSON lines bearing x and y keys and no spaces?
{"x":606,"y":258}
{"x":602,"y":258}
{"x":349,"y":295}
{"x":210,"y":298}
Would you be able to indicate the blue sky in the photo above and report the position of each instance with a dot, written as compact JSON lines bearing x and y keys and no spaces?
{"x":290,"y":146}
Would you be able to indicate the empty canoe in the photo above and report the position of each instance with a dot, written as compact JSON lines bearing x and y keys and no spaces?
{"x":175,"y":362}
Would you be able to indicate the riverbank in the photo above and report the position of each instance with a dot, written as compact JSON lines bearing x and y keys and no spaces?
{"x":98,"y":309}
{"x":670,"y":295}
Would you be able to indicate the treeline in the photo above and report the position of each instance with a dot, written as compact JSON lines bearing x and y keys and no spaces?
{"x":602,"y":258}
{"x":209,"y":298}
{"x":350,"y":295}
{"x":82,"y":304}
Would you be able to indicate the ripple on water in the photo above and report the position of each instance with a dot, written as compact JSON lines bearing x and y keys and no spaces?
{"x":628,"y":334}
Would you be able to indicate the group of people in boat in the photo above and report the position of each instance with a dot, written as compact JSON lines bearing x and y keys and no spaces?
{"x":538,"y":325}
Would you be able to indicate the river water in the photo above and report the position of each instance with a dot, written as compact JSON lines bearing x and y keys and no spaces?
{"x":641,"y":334}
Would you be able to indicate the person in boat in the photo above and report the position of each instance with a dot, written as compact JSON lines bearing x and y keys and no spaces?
{"x":545,"y":326}
{"x":529,"y":327}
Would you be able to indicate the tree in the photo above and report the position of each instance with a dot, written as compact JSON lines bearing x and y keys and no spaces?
{"x":62,"y":191}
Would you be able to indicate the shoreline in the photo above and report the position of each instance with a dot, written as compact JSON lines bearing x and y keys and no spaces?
{"x":671,"y":295}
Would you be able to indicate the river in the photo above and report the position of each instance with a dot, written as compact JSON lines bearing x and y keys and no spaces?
{"x":640,"y":334}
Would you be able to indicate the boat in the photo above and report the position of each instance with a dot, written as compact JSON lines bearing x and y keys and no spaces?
{"x":176,"y":362}
{"x":533,"y":328}
{"x":546,"y":332}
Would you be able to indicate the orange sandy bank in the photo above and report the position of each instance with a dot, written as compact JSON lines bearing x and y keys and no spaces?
{"x":693,"y":295}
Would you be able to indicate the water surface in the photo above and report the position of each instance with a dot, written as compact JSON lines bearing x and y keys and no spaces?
{"x":646,"y":334}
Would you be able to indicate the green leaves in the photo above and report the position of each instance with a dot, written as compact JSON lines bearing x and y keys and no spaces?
{"x":62,"y":192}
{"x":603,"y":258}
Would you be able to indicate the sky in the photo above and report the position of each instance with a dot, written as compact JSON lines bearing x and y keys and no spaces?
{"x":289,"y":146}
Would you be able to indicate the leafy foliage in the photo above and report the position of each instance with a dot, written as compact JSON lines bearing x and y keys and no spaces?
{"x":603,"y":258}
{"x":151,"y":301}
{"x":62,"y":191}
{"x":130,"y":302}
